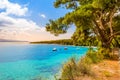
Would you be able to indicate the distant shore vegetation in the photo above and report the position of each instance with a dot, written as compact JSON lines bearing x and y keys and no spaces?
{"x":90,"y":42}
{"x":62,"y":42}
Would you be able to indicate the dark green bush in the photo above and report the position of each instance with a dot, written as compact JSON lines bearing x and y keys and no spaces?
{"x":95,"y":56}
{"x":108,"y":53}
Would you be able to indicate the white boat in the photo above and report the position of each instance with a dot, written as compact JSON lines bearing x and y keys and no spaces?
{"x":54,"y":49}
{"x":65,"y":48}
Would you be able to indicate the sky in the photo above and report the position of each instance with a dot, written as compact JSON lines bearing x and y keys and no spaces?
{"x":25,"y":20}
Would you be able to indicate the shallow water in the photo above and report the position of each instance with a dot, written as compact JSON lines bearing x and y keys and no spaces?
{"x":34,"y":61}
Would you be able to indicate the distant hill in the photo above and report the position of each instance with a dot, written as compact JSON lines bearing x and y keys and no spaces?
{"x":6,"y":40}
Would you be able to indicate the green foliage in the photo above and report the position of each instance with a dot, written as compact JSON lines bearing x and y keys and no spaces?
{"x":97,"y":23}
{"x":95,"y":20}
{"x":95,"y":56}
{"x":56,"y":27}
{"x":73,"y":69}
{"x":69,"y":70}
{"x":82,"y":36}
{"x":72,"y":4}
{"x":100,"y":54}
{"x":104,"y":53}
{"x":91,"y":41}
{"x":107,"y":74}
{"x":84,"y":66}
{"x":63,"y":42}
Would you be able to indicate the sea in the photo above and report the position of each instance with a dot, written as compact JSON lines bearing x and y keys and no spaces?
{"x":25,"y":61}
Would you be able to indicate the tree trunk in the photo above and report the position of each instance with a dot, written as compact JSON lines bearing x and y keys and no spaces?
{"x":106,"y":45}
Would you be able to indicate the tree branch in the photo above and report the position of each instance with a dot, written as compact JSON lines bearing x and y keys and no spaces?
{"x":112,"y":36}
{"x":116,"y":33}
{"x":100,"y":21}
{"x":111,"y":19}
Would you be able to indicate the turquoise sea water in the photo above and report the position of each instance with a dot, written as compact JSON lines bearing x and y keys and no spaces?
{"x":34,"y":61}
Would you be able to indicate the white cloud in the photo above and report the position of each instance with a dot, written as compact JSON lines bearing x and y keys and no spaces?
{"x":43,"y":15}
{"x":13,"y":28}
{"x":22,"y":23}
{"x":21,"y":28}
{"x":17,"y":25}
{"x":12,"y":8}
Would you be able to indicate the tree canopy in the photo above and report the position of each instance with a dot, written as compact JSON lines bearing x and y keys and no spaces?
{"x":97,"y":20}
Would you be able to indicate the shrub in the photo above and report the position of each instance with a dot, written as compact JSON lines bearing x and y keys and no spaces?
{"x":72,"y":69}
{"x":109,"y":53}
{"x":69,"y":70}
{"x":107,"y":74}
{"x":95,"y":56}
{"x":84,"y":66}
{"x":104,"y":52}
